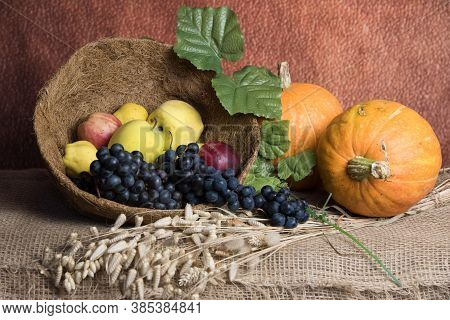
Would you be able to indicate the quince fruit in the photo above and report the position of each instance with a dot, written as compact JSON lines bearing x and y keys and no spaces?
{"x":78,"y":157}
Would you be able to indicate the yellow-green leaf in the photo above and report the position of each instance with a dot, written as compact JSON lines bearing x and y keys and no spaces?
{"x":260,"y":181}
{"x":262,"y":167}
{"x":274,"y":138}
{"x":298,"y":166}
{"x":262,"y":174}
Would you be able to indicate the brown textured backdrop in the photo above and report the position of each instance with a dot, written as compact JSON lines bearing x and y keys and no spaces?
{"x":359,"y":50}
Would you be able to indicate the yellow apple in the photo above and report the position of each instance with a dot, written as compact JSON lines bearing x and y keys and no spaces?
{"x":180,"y":122}
{"x":138,"y":135}
{"x":131,"y":111}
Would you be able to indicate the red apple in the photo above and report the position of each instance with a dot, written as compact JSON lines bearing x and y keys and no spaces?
{"x":98,"y":128}
{"x":220,"y":156}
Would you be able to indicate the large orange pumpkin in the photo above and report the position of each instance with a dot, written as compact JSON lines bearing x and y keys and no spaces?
{"x":309,"y":109}
{"x":379,"y":158}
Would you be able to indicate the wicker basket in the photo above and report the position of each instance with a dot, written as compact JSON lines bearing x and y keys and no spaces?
{"x":103,"y":75}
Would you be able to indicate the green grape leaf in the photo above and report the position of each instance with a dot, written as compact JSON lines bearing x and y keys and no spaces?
{"x":274,"y":138}
{"x":262,"y":167}
{"x":259,"y":181}
{"x":261,"y":174}
{"x":205,"y":35}
{"x":298,"y":166}
{"x":252,"y":90}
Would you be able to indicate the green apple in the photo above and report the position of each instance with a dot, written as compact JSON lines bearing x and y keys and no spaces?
{"x":180,"y":122}
{"x":138,"y":135}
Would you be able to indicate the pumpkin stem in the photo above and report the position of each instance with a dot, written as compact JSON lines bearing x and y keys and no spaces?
{"x":360,"y":168}
{"x":283,"y":73}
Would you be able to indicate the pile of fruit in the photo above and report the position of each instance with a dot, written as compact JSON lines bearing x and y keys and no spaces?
{"x":148,"y":165}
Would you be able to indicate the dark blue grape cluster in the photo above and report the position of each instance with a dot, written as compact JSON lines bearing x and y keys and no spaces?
{"x":282,"y":211}
{"x":126,"y":178}
{"x":181,"y":176}
{"x":197,"y":182}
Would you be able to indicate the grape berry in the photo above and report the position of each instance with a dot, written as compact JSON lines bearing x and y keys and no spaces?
{"x":181,"y":176}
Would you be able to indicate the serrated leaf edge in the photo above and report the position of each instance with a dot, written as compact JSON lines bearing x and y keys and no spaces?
{"x":180,"y":51}
{"x":277,"y":113}
{"x":285,"y":160}
{"x":183,"y":12}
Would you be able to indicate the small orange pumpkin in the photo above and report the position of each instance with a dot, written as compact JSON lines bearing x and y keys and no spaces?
{"x":379,"y":158}
{"x":309,"y":109}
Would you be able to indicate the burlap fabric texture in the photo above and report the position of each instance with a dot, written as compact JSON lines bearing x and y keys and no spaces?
{"x":416,"y":248}
{"x":102,"y":76}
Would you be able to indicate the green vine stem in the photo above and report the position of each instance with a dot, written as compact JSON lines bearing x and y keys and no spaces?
{"x":323,"y":218}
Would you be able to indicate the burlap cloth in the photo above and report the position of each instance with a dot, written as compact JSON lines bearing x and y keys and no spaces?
{"x":33,"y":215}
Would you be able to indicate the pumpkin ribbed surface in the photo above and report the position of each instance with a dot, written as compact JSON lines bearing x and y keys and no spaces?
{"x":379,"y":158}
{"x":309,"y":109}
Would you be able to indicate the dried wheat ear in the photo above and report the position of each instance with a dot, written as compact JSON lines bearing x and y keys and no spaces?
{"x":176,"y":258}
{"x":172,"y":258}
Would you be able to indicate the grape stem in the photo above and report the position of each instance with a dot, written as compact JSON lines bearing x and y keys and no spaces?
{"x":323,"y":218}
{"x":97,"y":190}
